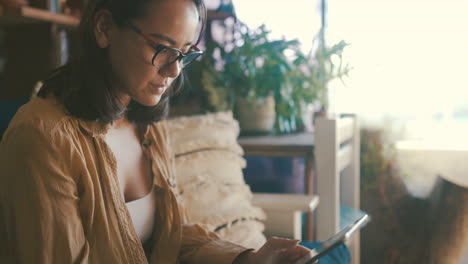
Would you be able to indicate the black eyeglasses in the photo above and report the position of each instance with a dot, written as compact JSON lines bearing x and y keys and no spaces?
{"x":166,"y":55}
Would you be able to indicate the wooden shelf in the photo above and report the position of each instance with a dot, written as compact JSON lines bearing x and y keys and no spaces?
{"x":218,"y":15}
{"x":28,"y":15}
{"x":290,"y":145}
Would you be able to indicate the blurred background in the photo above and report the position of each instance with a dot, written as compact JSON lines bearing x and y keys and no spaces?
{"x":400,"y":66}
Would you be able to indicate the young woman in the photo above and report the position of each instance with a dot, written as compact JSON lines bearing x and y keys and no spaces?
{"x":86,"y":171}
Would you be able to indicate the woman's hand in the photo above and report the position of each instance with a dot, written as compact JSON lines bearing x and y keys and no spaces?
{"x":275,"y":250}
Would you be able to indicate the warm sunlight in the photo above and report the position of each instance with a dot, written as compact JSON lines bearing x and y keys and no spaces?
{"x":404,"y":52}
{"x":301,"y":22}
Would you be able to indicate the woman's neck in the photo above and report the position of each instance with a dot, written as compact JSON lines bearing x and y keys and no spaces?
{"x":122,"y":122}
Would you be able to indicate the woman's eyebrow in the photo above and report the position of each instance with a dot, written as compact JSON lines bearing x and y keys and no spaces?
{"x":168,"y":39}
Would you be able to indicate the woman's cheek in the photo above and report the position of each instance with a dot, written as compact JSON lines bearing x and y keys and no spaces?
{"x":145,"y":74}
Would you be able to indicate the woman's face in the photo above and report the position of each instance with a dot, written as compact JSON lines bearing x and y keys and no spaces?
{"x":171,"y":23}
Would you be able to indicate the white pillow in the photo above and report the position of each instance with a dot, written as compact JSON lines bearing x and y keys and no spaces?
{"x":209,"y":167}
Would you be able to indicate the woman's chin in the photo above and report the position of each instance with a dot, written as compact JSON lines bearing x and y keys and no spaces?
{"x":149,"y":102}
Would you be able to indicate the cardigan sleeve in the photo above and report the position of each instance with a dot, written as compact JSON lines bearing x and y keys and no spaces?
{"x":200,"y":246}
{"x":39,"y":204}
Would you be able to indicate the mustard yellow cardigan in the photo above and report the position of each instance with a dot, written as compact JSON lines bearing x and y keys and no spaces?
{"x":60,"y":200}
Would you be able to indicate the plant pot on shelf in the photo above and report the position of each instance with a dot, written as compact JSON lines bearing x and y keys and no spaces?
{"x":257,"y":117}
{"x":307,"y":116}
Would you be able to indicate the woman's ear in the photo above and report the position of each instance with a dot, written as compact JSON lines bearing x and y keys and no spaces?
{"x":103,"y":25}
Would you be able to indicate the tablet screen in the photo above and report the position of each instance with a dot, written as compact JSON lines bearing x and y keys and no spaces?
{"x":334,"y":241}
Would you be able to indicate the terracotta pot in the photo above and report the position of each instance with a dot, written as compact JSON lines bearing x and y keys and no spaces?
{"x":256,"y":117}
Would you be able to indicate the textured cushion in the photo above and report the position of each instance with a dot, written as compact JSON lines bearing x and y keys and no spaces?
{"x":210,"y":131}
{"x":209,"y":167}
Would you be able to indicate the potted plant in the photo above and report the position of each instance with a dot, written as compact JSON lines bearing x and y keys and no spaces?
{"x":246,"y":74}
{"x":259,"y":77}
{"x":310,"y":77}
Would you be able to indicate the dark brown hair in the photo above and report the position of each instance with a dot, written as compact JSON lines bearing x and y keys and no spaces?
{"x":82,"y":84}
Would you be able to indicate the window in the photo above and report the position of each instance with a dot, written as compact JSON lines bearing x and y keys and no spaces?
{"x":291,"y":19}
{"x":410,"y":60}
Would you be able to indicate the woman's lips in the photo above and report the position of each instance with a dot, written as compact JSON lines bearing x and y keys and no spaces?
{"x":158,"y":89}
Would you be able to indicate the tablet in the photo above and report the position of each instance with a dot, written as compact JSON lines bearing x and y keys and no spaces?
{"x":334,"y":241}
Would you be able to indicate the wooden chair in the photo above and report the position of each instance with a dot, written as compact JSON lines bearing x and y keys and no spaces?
{"x":284,"y":212}
{"x":337,"y":177}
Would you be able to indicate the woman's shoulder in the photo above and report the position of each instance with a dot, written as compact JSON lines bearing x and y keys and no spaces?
{"x":42,"y":107}
{"x":39,"y":115}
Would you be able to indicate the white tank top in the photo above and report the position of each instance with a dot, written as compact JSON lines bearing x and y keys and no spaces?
{"x":142,"y":212}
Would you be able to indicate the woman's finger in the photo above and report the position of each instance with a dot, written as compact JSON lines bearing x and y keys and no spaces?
{"x":295,"y":253}
{"x":280,"y":243}
{"x":278,"y":250}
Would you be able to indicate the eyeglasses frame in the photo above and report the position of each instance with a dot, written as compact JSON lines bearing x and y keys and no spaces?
{"x":160,"y":47}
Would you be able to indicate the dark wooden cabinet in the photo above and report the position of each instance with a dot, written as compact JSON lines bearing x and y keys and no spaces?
{"x":33,"y":43}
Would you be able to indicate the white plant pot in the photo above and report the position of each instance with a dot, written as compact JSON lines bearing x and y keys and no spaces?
{"x":308,"y":118}
{"x":258,"y":116}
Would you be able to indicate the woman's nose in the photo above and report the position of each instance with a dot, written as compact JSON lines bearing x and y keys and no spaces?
{"x":172,"y":70}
